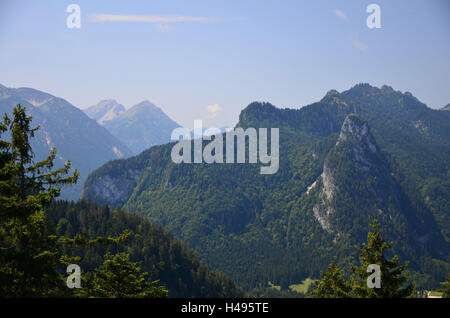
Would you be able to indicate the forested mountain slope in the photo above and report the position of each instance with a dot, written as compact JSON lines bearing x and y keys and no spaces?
{"x":158,"y":252}
{"x":364,"y":153}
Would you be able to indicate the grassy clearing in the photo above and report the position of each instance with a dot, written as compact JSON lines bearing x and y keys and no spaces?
{"x":302,"y":287}
{"x":298,"y":288}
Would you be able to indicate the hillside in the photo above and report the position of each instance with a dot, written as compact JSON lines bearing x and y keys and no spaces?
{"x":75,"y":136}
{"x":363,"y":153}
{"x":160,"y":254}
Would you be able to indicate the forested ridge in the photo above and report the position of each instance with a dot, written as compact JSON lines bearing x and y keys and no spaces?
{"x":165,"y":258}
{"x":260,"y":228}
{"x":340,"y":168}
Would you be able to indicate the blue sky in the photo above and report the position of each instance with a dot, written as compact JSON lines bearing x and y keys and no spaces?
{"x":209,"y":59}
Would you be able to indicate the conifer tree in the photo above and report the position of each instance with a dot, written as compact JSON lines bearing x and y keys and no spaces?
{"x":445,"y":288}
{"x":28,"y":255}
{"x":332,"y":284}
{"x":118,"y":277}
{"x":393,"y":275}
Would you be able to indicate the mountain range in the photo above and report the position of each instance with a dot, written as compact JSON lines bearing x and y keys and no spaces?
{"x":140,"y":127}
{"x":362,"y":154}
{"x":62,"y":125}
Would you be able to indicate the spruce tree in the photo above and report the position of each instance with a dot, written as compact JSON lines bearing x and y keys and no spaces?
{"x":118,"y":277}
{"x":332,"y":284}
{"x":28,"y":254}
{"x":31,"y":262}
{"x":393,"y":275}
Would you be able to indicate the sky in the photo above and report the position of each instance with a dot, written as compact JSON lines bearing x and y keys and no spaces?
{"x":209,"y":59}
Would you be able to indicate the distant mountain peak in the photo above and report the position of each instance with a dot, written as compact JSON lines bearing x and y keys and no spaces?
{"x":256,"y":112}
{"x":142,"y":126}
{"x":333,"y":97}
{"x":146,"y":104}
{"x":109,"y":101}
{"x":256,"y":107}
{"x":367,"y":89}
{"x":447,"y":107}
{"x":105,"y":110}
{"x":387,"y":88}
{"x":362,"y":87}
{"x":355,"y":133}
{"x":332,"y":92}
{"x":384,"y":89}
{"x":356,"y":130}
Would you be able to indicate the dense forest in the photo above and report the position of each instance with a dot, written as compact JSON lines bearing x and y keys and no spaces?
{"x":267,"y":232}
{"x":243,"y":223}
{"x":165,"y":258}
{"x":120,"y":254}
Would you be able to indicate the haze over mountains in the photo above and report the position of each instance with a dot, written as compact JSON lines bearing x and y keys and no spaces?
{"x":75,"y":136}
{"x":364,"y":153}
{"x":140,"y":127}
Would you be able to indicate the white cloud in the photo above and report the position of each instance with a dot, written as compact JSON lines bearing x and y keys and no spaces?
{"x":102,"y":17}
{"x":213,"y":110}
{"x":340,"y":14}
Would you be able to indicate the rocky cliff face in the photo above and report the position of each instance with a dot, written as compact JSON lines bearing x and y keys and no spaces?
{"x":355,"y":131}
{"x":358,"y":185}
{"x":324,"y":208}
{"x":114,"y":190}
{"x":354,"y":165}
